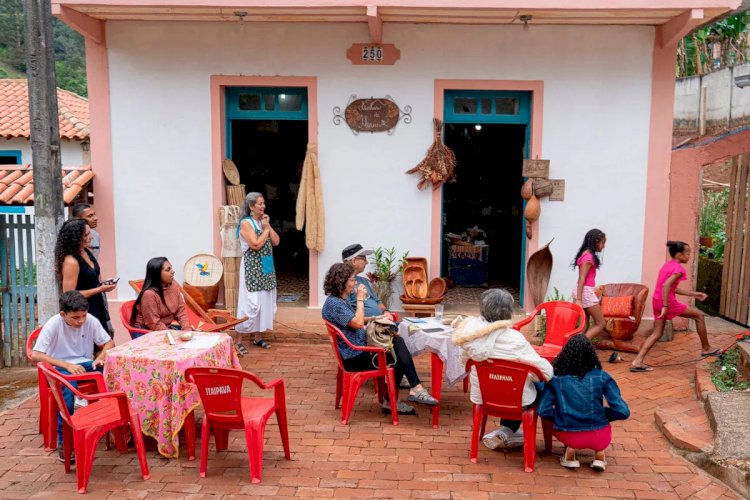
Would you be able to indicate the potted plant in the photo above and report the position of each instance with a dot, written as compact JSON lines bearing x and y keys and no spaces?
{"x":388,"y":266}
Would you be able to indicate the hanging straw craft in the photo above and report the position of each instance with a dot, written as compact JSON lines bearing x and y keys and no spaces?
{"x":439,"y":165}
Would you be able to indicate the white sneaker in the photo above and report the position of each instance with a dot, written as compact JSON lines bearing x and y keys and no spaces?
{"x":79,"y":403}
{"x":497,"y":438}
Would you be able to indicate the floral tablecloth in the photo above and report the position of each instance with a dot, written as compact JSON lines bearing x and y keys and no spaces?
{"x":152,"y":374}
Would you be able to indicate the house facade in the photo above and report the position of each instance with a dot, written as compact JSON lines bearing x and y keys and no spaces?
{"x":176,"y":88}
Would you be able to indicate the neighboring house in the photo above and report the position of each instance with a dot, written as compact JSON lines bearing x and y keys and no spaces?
{"x":175,"y":87}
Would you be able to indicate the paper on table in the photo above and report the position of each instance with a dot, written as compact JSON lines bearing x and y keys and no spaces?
{"x":201,"y":342}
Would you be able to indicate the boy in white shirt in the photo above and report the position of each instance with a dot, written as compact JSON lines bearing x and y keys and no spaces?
{"x":67,"y":342}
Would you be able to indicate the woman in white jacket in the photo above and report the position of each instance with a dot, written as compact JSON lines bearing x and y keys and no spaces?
{"x":491,"y":336}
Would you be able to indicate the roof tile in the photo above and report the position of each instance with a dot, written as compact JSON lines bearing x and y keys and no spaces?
{"x":17,"y":183}
{"x":73,"y":111}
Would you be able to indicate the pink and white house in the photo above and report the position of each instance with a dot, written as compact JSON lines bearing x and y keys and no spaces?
{"x":175,"y":86}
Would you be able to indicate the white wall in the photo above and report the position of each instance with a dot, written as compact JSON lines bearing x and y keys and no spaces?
{"x":596,"y":124}
{"x":72,"y":153}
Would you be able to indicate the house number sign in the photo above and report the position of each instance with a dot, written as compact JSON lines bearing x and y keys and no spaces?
{"x":371,"y":115}
{"x":373,"y":54}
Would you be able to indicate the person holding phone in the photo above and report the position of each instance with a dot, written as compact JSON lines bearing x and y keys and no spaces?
{"x":77,"y":268}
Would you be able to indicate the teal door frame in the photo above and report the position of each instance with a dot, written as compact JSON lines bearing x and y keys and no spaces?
{"x":491,"y":107}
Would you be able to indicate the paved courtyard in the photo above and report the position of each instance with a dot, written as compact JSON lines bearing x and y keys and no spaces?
{"x":372,"y":458}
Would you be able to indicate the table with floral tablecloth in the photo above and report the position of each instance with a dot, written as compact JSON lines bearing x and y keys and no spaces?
{"x":152,"y":374}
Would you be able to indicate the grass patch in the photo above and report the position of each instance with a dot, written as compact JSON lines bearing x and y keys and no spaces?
{"x":725,"y":375}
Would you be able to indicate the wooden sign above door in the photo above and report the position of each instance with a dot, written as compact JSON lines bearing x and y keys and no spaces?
{"x":373,"y":54}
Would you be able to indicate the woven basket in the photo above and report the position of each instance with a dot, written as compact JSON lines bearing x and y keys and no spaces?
{"x":203,"y":269}
{"x":236,"y":195}
{"x":231,"y":283}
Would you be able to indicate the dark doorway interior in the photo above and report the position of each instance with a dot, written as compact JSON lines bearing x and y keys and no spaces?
{"x":269,"y":156}
{"x":487,"y":194}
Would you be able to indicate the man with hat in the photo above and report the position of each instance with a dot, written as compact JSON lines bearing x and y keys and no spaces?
{"x":357,"y":256}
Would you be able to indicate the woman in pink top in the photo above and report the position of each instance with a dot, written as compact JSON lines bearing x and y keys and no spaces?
{"x":667,"y":307}
{"x":588,"y":262}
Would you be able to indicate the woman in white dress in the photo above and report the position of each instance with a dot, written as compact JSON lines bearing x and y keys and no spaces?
{"x":257,"y":291}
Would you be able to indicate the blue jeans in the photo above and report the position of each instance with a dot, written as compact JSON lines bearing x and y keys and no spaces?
{"x":68,"y":395}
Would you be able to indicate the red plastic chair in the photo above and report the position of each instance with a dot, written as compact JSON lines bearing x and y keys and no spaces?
{"x":126,"y":311}
{"x":348,"y":383}
{"x":225,"y":409}
{"x":564,"y":319}
{"x":501,"y":383}
{"x":106,"y":411}
{"x":47,"y":405}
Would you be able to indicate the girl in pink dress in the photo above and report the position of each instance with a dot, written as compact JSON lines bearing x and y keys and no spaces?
{"x":587,"y":261}
{"x":666,"y":306}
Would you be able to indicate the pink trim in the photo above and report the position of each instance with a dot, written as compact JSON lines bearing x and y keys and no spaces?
{"x":659,"y":156}
{"x":82,"y":23}
{"x":536,"y":87}
{"x":218,"y":84}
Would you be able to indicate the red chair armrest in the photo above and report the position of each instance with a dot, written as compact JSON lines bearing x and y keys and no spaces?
{"x":97,"y":377}
{"x":103,"y":395}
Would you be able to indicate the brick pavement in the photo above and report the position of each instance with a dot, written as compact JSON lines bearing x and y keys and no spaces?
{"x":372,"y":458}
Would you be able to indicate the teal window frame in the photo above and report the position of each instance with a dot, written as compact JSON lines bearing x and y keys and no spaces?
{"x":523,"y":117}
{"x":13,"y":153}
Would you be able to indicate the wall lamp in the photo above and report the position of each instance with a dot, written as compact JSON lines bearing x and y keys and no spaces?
{"x":742,"y":81}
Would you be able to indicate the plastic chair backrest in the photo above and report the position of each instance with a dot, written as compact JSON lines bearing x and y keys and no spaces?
{"x":126,"y":311}
{"x":56,"y":381}
{"x":501,"y":383}
{"x":562,"y":319}
{"x":334,"y":333}
{"x":31,"y":341}
{"x":220,"y":391}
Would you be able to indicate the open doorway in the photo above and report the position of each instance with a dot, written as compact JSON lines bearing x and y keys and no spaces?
{"x":269,"y":156}
{"x":485,"y":196}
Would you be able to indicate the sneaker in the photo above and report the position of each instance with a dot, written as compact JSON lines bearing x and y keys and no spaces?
{"x":401,"y":407}
{"x":79,"y":403}
{"x":404,"y":383}
{"x":497,"y":438}
{"x":61,"y":456}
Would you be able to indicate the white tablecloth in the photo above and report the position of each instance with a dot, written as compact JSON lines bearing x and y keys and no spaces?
{"x":439,"y":343}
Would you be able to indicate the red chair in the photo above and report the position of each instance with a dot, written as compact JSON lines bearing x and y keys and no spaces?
{"x":348,"y":383}
{"x":501,"y":383}
{"x":564,"y":319}
{"x":47,"y":405}
{"x":226,"y":409}
{"x":106,"y":411}
{"x":126,"y":311}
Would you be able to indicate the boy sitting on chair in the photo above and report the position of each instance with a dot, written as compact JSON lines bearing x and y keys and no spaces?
{"x":67,"y":342}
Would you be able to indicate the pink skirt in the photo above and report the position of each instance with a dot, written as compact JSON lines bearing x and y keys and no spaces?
{"x":588,"y":298}
{"x":674,"y":308}
{"x":596,"y":440}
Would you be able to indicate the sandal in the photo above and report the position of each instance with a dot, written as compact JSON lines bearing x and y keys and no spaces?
{"x":644,"y":368}
{"x":261,"y":343}
{"x":241,"y":350}
{"x":401,"y":407}
{"x":714,"y":352}
{"x":599,"y":465}
{"x":569,"y":464}
{"x":423,"y":397}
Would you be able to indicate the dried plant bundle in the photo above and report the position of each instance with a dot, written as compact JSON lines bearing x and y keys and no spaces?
{"x":439,"y":166}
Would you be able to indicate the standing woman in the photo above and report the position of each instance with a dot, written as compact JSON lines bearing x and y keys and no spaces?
{"x":77,"y":268}
{"x":587,"y":260}
{"x":257,"y":291}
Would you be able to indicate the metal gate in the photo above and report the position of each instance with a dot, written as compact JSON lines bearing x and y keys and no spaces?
{"x":735,"y":276}
{"x":18,"y":285}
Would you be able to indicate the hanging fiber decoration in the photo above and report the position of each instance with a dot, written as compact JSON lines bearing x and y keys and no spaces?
{"x":439,"y":165}
{"x":310,"y":211}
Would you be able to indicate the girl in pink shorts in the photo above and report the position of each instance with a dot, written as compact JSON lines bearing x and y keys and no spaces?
{"x":587,"y":261}
{"x":666,"y":306}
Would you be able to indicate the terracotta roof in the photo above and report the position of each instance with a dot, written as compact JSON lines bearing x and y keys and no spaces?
{"x":73,"y":111}
{"x":17,"y":183}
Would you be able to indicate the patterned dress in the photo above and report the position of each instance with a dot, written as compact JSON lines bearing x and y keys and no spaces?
{"x":257,"y":290}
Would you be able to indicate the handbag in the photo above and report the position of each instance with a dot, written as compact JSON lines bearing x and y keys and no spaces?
{"x":380,"y":332}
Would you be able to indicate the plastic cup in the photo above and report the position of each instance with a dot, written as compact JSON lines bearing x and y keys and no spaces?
{"x":438,"y":311}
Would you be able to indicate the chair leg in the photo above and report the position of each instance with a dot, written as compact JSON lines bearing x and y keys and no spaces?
{"x":339,"y":384}
{"x":85,"y":448}
{"x":51,"y":419}
{"x":140,"y":447}
{"x":281,"y":419}
{"x":204,"y":446}
{"x":221,"y":437}
{"x":476,"y":430}
{"x":483,"y":429}
{"x":120,"y":443}
{"x":392,"y":394}
{"x":189,"y":428}
{"x":350,"y":393}
{"x":466,"y":384}
{"x":529,"y":439}
{"x":67,"y":446}
{"x":254,"y":439}
{"x":379,"y":384}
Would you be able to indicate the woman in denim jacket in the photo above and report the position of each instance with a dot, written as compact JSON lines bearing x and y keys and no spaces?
{"x":573,"y":400}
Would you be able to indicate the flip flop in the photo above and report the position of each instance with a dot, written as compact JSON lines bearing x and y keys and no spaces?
{"x":714,"y":352}
{"x":638,"y":369}
{"x":261,"y":343}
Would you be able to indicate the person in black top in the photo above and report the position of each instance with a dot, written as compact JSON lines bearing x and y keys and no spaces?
{"x":77,"y":268}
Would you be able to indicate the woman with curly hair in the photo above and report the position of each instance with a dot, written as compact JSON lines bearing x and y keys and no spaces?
{"x":77,"y":269}
{"x":339,"y":285}
{"x":573,"y":400}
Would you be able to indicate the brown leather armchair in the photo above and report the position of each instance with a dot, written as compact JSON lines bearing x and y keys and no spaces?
{"x":624,"y":328}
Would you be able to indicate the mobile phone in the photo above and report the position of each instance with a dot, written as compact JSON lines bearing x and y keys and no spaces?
{"x":432,"y":330}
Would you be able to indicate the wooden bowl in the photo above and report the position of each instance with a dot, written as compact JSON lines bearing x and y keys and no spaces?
{"x":426,"y":300}
{"x":437,"y":288}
